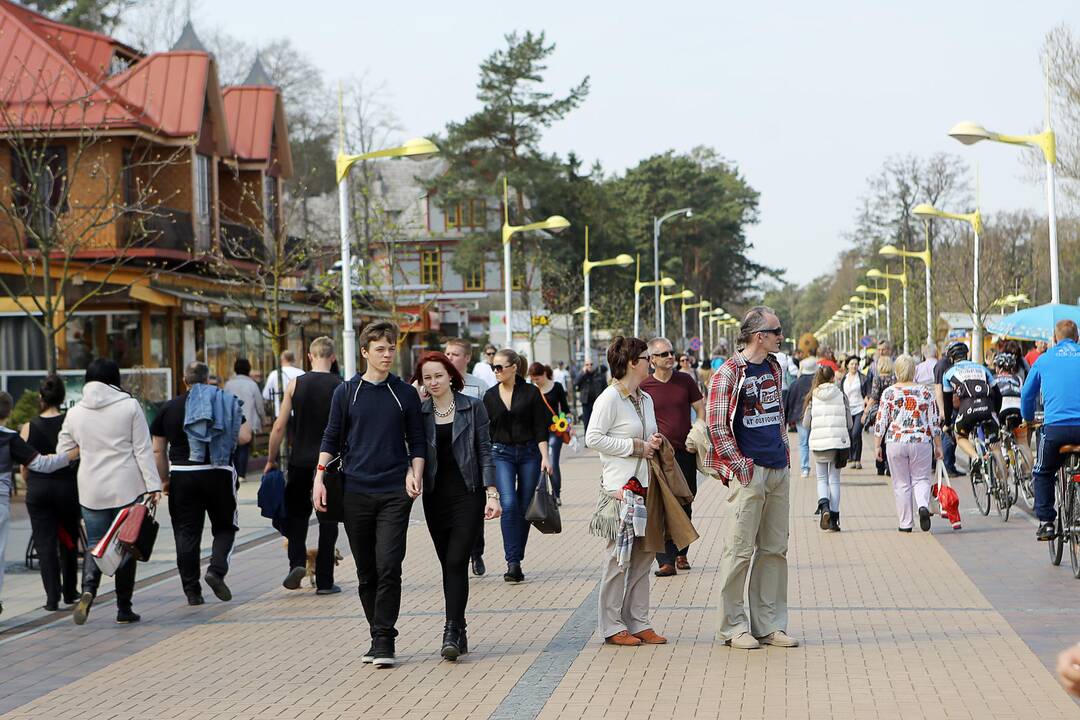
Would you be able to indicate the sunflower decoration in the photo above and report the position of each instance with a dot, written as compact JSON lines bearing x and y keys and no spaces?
{"x":560,"y":425}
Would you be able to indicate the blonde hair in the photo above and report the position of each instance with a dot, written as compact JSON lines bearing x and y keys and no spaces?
{"x":885,"y":365}
{"x":904,"y":367}
{"x":321,"y":347}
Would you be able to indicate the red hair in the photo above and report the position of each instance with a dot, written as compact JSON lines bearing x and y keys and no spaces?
{"x":456,"y":381}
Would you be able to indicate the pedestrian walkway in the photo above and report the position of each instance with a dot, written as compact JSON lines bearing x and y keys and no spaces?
{"x":892,"y":626}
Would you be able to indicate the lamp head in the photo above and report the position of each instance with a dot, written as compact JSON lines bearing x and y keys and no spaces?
{"x":969,"y":133}
{"x":623,"y":260}
{"x":888,"y":250}
{"x":667,"y":282}
{"x":925,"y":210}
{"x":689,"y":213}
{"x":686,"y":294}
{"x":873,"y":272}
{"x":862,"y":288}
{"x":557,"y":223}
{"x":579,"y":310}
{"x":419,"y":148}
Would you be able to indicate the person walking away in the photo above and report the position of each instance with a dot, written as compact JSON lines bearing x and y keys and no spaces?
{"x":459,"y":350}
{"x":746,"y":424}
{"x":969,"y":388}
{"x":828,"y":417}
{"x":1055,"y":374}
{"x":856,"y":387}
{"x":14,"y":451}
{"x":924,"y":371}
{"x":827,"y":358}
{"x":1009,"y":386}
{"x":794,"y":406}
{"x":201,"y":479}
{"x":790,"y":371}
{"x":589,"y":384}
{"x":288,"y":372}
{"x":459,"y":485}
{"x":482,"y":369}
{"x":561,"y":376}
{"x":555,"y":401}
{"x":519,"y":429}
{"x":116,"y":469}
{"x":52,"y":501}
{"x":376,"y":427}
{"x":247,"y":392}
{"x":882,"y":378}
{"x":908,"y":432}
{"x":624,"y":431}
{"x":946,"y":410}
{"x":674,"y":396}
{"x":304,"y":413}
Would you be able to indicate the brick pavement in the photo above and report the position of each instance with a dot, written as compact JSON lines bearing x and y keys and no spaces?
{"x":892,"y":627}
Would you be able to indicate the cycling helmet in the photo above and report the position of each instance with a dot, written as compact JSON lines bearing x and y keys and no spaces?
{"x":1005,"y":361}
{"x":957,"y":351}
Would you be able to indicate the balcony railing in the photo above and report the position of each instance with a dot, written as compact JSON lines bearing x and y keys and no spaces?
{"x":242,"y":242}
{"x":162,"y":227}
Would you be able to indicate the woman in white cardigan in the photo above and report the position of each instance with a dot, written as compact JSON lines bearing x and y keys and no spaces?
{"x":623,"y":428}
{"x":828,"y":417}
{"x":116,"y":467}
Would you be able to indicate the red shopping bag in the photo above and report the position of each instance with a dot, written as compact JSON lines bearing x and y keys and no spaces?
{"x":109,"y":554}
{"x":947,"y":497}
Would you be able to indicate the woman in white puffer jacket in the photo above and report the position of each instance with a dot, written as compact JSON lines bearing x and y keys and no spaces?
{"x":828,"y":417}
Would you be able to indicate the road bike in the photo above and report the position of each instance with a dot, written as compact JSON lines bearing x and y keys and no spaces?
{"x":1017,"y":466}
{"x":987,"y":481}
{"x":1067,"y":504}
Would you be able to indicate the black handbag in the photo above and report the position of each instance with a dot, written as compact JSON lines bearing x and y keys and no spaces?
{"x":334,"y":480}
{"x":543,"y":512}
{"x":842,"y":457}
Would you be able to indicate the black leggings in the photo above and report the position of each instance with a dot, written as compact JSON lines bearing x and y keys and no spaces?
{"x":454,"y":519}
{"x":54,"y":504}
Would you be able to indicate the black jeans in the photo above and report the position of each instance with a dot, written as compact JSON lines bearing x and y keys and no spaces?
{"x":376,"y":524}
{"x":298,"y":509}
{"x":1044,"y":475}
{"x":855,"y":453}
{"x":687,"y":462}
{"x":53,"y":504}
{"x":453,"y":520}
{"x":192,"y":496}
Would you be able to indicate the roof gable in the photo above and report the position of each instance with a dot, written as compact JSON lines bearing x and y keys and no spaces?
{"x":255,"y":115}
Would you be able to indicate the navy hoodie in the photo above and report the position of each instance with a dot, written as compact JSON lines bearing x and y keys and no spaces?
{"x":385,"y":430}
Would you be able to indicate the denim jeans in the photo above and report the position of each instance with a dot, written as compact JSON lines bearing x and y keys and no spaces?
{"x":517,"y":469}
{"x":97,"y":524}
{"x":1044,"y":476}
{"x":555,"y":444}
{"x":804,"y":447}
{"x":5,"y":526}
{"x":948,"y":451}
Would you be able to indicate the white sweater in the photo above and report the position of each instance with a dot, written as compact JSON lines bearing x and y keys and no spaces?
{"x":613,"y":426}
{"x":116,"y":458}
{"x":829,"y":419}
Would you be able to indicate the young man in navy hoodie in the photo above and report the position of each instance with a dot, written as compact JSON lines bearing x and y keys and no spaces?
{"x":375,"y":424}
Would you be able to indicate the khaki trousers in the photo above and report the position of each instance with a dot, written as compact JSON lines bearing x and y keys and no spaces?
{"x":756,"y":530}
{"x":624,"y":592}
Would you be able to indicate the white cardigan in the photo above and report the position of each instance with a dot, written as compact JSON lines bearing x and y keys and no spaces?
{"x":613,"y":426}
{"x":829,"y":419}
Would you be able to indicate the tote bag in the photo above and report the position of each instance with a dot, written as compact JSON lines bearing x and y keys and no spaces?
{"x":109,"y":554}
{"x":543,"y":511}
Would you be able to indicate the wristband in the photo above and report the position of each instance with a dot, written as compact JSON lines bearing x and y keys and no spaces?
{"x":320,"y":468}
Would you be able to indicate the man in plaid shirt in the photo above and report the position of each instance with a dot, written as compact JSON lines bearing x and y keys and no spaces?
{"x":745,"y":417}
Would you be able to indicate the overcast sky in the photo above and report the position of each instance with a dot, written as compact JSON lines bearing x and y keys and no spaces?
{"x":808,"y":98}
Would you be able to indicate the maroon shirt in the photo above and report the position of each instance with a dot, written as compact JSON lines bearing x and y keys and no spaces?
{"x":671,"y":403}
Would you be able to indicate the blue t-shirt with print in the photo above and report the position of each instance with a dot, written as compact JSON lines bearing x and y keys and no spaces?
{"x":758,"y":418}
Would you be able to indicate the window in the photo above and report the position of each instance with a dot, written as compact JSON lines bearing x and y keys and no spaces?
{"x":470,"y":214}
{"x":202,"y":185}
{"x":40,"y":174}
{"x":475,"y":279}
{"x":517,"y":280}
{"x":453,"y":214}
{"x":477,"y":214}
{"x":431,"y":268}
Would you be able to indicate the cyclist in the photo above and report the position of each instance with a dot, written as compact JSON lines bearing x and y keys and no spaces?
{"x":1056,"y":374}
{"x":969,"y":387}
{"x":1007,"y":380}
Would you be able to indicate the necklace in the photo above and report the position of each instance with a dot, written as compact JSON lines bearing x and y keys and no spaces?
{"x":443,"y":413}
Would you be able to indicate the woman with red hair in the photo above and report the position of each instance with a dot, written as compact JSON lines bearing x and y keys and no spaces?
{"x":459,"y":484}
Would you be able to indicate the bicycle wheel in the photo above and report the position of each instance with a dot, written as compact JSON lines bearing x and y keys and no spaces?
{"x":1002,"y":488}
{"x":1057,"y":545}
{"x":1072,"y":527}
{"x":980,"y":488}
{"x":1022,"y":468}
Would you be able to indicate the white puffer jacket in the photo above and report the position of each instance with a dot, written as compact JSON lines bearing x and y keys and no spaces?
{"x":828,"y":418}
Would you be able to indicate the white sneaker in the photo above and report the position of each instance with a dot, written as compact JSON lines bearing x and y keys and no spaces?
{"x":743,"y":641}
{"x":779,"y":639}
{"x":806,"y":473}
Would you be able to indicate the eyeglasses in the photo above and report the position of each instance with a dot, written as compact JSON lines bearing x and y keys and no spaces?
{"x":779,"y":331}
{"x":498,"y":368}
{"x":665,"y":354}
{"x":641,"y":357}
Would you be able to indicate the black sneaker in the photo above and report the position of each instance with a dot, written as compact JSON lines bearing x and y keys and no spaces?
{"x":924,"y":519}
{"x":907,"y":530}
{"x":1046,"y":532}
{"x":293,"y":579}
{"x":478,"y":567}
{"x":823,"y":511}
{"x":217,"y":584}
{"x":126,"y":617}
{"x":513,"y":573}
{"x":384,"y":654}
{"x":368,"y":657}
{"x":82,"y":610}
{"x":332,"y":590}
{"x":195,"y":599}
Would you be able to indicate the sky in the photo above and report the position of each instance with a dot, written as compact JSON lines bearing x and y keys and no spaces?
{"x":808,"y":98}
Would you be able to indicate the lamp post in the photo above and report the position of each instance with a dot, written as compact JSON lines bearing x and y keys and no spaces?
{"x":902,"y":279}
{"x":711,"y":316}
{"x":555,"y":223}
{"x":664,"y":282}
{"x":699,"y":306}
{"x":974,"y":219}
{"x":681,"y":295}
{"x":417,"y":148}
{"x":867,"y":305}
{"x":1015,"y":300}
{"x":889,"y":250}
{"x":656,"y":223}
{"x":586,"y":268}
{"x":970,"y":133}
{"x":888,"y":312}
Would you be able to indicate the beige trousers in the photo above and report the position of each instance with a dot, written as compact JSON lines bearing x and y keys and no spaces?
{"x":624,"y":591}
{"x":756,"y":541}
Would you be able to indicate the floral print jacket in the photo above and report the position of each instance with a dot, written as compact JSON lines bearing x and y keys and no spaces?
{"x":908,"y":414}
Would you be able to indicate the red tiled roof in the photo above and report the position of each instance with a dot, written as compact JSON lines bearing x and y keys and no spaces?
{"x":249,"y":115}
{"x":169,"y":88}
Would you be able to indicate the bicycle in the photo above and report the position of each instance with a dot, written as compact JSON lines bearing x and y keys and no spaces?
{"x":985,"y":483}
{"x":1067,"y":504}
{"x":1017,"y":467}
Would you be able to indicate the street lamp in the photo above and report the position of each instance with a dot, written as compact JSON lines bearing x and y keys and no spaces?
{"x":866,"y":306}
{"x":638,"y":285}
{"x":902,"y":279}
{"x":1015,"y":300}
{"x":890,"y":250}
{"x":417,"y":149}
{"x":682,"y":295}
{"x":703,"y":305}
{"x":555,"y":223}
{"x":887,"y":305}
{"x":970,"y":133}
{"x":622,"y":260}
{"x":656,"y":223}
{"x":974,"y":219}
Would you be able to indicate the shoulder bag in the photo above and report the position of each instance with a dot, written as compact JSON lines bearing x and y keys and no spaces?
{"x":333,"y":479}
{"x":543,"y":511}
{"x":604,"y":522}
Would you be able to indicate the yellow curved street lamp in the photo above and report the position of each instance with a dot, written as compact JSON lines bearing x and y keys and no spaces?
{"x":699,"y":306}
{"x":682,"y":295}
{"x":924,"y":255}
{"x":1015,"y":300}
{"x":417,"y":149}
{"x":664,"y":282}
{"x":903,"y":280}
{"x":587,"y":266}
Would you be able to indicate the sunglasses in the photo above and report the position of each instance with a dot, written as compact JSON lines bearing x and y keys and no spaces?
{"x":773,"y":331}
{"x":498,"y":368}
{"x":489,"y":354}
{"x":665,"y":354}
{"x":641,"y":357}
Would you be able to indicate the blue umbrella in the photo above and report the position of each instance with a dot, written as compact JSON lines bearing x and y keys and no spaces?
{"x":1036,"y":323}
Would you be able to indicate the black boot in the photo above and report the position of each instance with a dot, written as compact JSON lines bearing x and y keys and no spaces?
{"x":451,"y":641}
{"x":513,"y":573}
{"x":463,"y":643}
{"x":823,"y":511}
{"x":834,"y":521}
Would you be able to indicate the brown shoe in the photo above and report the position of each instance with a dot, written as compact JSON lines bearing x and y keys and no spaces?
{"x":681,"y":563}
{"x":666,"y":570}
{"x":649,"y":637}
{"x":623,"y":638}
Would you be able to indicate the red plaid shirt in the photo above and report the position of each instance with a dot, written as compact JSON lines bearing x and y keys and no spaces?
{"x":724,"y":389}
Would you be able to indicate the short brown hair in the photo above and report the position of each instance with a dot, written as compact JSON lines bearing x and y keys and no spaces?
{"x":622,"y":352}
{"x":538,"y":369}
{"x":462,"y":343}
{"x":6,"y":405}
{"x":321,"y":347}
{"x":1065,"y":329}
{"x":378,"y":330}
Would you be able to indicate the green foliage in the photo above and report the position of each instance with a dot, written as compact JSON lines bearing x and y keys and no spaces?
{"x":26,"y":408}
{"x":97,"y":15}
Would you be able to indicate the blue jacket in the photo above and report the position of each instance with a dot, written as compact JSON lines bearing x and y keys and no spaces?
{"x":271,"y":499}
{"x":1056,"y":373}
{"x":381,"y":429}
{"x":212,"y":420}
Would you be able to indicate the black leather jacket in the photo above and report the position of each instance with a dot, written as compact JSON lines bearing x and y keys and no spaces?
{"x":472,"y":443}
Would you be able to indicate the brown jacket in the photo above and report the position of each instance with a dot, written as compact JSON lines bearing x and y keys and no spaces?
{"x":668,"y":492}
